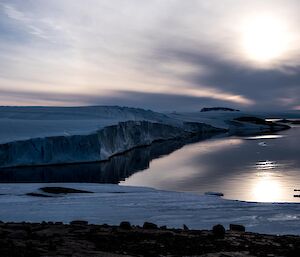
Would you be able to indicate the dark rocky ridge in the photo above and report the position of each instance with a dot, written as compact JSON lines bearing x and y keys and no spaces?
{"x":81,"y":239}
{"x":206,"y":109}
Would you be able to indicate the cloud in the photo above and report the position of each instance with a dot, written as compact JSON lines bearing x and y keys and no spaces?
{"x":266,"y":87}
{"x":25,"y":21}
{"x":171,"y":50}
{"x":154,"y":101}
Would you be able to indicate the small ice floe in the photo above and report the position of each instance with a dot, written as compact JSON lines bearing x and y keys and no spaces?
{"x":272,"y":136}
{"x":214,"y":193}
{"x":262,"y":144}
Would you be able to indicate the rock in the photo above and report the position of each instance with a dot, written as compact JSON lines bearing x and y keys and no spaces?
{"x":94,"y":240}
{"x":214,"y":193}
{"x":149,"y":225}
{"x":105,"y":225}
{"x":125,"y":225}
{"x":218,"y":231}
{"x":19,"y":234}
{"x":79,"y":222}
{"x":185,"y":227}
{"x":207,"y":109}
{"x":62,"y":190}
{"x":38,"y":195}
{"x":16,"y":226}
{"x":236,"y":227}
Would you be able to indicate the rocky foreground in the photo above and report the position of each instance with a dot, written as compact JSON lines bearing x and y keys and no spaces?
{"x":81,"y":239}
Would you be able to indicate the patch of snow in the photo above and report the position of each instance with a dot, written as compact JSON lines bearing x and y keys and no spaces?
{"x":22,"y":123}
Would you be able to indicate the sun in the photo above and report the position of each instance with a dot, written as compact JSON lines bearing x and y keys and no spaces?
{"x":264,"y":38}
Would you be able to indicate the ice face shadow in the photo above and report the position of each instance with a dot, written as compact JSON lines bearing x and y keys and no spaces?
{"x":117,"y":169}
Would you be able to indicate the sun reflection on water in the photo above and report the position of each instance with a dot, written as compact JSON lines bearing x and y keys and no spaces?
{"x":267,"y":188}
{"x":266,"y":165}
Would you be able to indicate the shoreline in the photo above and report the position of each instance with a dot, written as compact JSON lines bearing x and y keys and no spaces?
{"x":82,"y":239}
{"x":31,"y":203}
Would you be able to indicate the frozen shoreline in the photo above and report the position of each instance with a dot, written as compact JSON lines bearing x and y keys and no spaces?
{"x":112,"y":204}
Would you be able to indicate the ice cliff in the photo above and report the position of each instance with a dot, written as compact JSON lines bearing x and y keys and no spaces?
{"x":97,"y":146}
{"x":57,"y":135}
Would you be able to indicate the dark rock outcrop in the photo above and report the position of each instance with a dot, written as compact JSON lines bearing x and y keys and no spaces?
{"x":79,"y":222}
{"x":63,"y":190}
{"x":149,"y":225}
{"x":206,"y":109}
{"x":218,"y":231}
{"x":56,"y":239}
{"x":236,"y":227}
{"x":125,"y":225}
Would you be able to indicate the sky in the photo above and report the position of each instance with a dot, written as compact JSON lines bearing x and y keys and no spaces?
{"x":162,"y":55}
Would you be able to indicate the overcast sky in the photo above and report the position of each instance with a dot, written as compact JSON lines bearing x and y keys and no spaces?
{"x":158,"y":54}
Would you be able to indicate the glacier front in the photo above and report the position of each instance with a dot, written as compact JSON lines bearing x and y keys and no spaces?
{"x":58,"y":135}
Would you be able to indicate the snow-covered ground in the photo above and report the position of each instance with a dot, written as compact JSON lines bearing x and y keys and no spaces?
{"x":22,"y":123}
{"x":112,"y":204}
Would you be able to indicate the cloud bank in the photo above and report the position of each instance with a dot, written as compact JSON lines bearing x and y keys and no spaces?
{"x":163,"y":55}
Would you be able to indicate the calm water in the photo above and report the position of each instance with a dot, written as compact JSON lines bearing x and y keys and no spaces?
{"x":263,"y":168}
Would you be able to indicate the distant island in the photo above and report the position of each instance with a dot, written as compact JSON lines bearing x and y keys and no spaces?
{"x":206,"y":109}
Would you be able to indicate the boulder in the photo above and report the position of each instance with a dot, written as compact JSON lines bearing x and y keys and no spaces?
{"x":236,"y":227}
{"x":218,"y":231}
{"x":149,"y":225}
{"x":79,"y":222}
{"x":125,"y":225}
{"x":185,"y":227}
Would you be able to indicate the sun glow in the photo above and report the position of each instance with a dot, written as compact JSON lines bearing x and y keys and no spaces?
{"x":264,"y":38}
{"x":267,"y":189}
